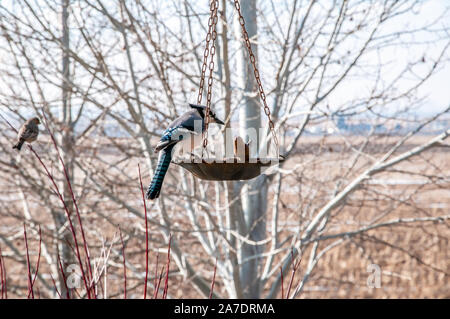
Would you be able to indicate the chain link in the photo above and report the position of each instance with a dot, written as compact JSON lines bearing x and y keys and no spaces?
{"x":256,"y":72}
{"x":212,"y":35}
{"x":206,"y":53}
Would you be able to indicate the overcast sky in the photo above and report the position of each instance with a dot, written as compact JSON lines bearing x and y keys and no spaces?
{"x":437,"y":89}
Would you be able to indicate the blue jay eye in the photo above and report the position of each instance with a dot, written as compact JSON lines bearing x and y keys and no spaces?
{"x":180,"y":137}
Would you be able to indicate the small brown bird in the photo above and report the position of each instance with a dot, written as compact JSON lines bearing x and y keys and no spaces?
{"x":28,"y":132}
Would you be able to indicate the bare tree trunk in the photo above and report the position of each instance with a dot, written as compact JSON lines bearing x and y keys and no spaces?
{"x":66,"y":142}
{"x":232,"y":187}
{"x":254,"y":193}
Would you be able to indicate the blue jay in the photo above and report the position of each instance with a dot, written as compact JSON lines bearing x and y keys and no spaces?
{"x":177,"y":131}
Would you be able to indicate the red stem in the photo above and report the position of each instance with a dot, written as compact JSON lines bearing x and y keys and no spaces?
{"x":64,"y":276}
{"x":72,"y":229}
{"x":159,"y":282}
{"x":54,"y":285}
{"x":282,"y":283}
{"x":30,"y":283}
{"x":1,"y":271}
{"x":155,"y":294}
{"x":3,"y":276}
{"x":166,"y":283}
{"x":124,"y":267}
{"x":213,"y":281}
{"x":294,"y":269}
{"x":38,"y":261}
{"x":146,"y":234}
{"x":85,"y":244}
{"x":66,"y":209}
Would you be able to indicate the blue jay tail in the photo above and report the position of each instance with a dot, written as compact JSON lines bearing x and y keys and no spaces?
{"x":161,"y":169}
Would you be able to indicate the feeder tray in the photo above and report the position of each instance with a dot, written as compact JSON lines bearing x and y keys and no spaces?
{"x":226,"y":171}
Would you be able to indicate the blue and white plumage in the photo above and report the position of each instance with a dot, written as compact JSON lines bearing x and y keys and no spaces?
{"x":181,"y":129}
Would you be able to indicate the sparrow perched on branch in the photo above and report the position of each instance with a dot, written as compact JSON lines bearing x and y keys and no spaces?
{"x":28,"y":132}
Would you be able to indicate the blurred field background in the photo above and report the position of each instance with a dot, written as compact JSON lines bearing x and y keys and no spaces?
{"x":413,"y":259}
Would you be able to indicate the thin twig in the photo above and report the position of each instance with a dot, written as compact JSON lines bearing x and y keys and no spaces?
{"x":66,"y":209}
{"x":146,"y":233}
{"x":64,"y":277}
{"x":294,"y":270}
{"x":124,"y":267}
{"x":69,"y":184}
{"x":38,"y":261}
{"x":3,"y":276}
{"x":54,"y":285}
{"x":213,"y":281}
{"x":282,"y":283}
{"x":30,"y":282}
{"x":166,"y":283}
{"x":155,"y":294}
{"x":50,"y":176}
{"x":159,"y":282}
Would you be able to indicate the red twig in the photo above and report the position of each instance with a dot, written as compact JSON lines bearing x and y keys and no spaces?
{"x":3,"y":276}
{"x":64,"y":277}
{"x":213,"y":281}
{"x":124,"y":267}
{"x":282,"y":283}
{"x":30,"y":282}
{"x":38,"y":261}
{"x":66,"y":209}
{"x":1,"y":271}
{"x":166,"y":283}
{"x":54,"y":285}
{"x":63,"y":202}
{"x":50,"y":176}
{"x":155,"y":293}
{"x":159,"y":283}
{"x":294,"y":269}
{"x":69,"y":184}
{"x":146,"y":234}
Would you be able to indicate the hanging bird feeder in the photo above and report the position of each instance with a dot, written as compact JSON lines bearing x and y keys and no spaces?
{"x":237,"y":168}
{"x":225,"y":171}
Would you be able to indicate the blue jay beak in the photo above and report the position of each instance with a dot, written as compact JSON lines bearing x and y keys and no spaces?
{"x":216,"y":120}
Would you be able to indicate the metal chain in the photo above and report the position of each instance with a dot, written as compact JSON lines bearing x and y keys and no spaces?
{"x":210,"y":52}
{"x":256,"y":72}
{"x":212,"y":35}
{"x":213,"y":6}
